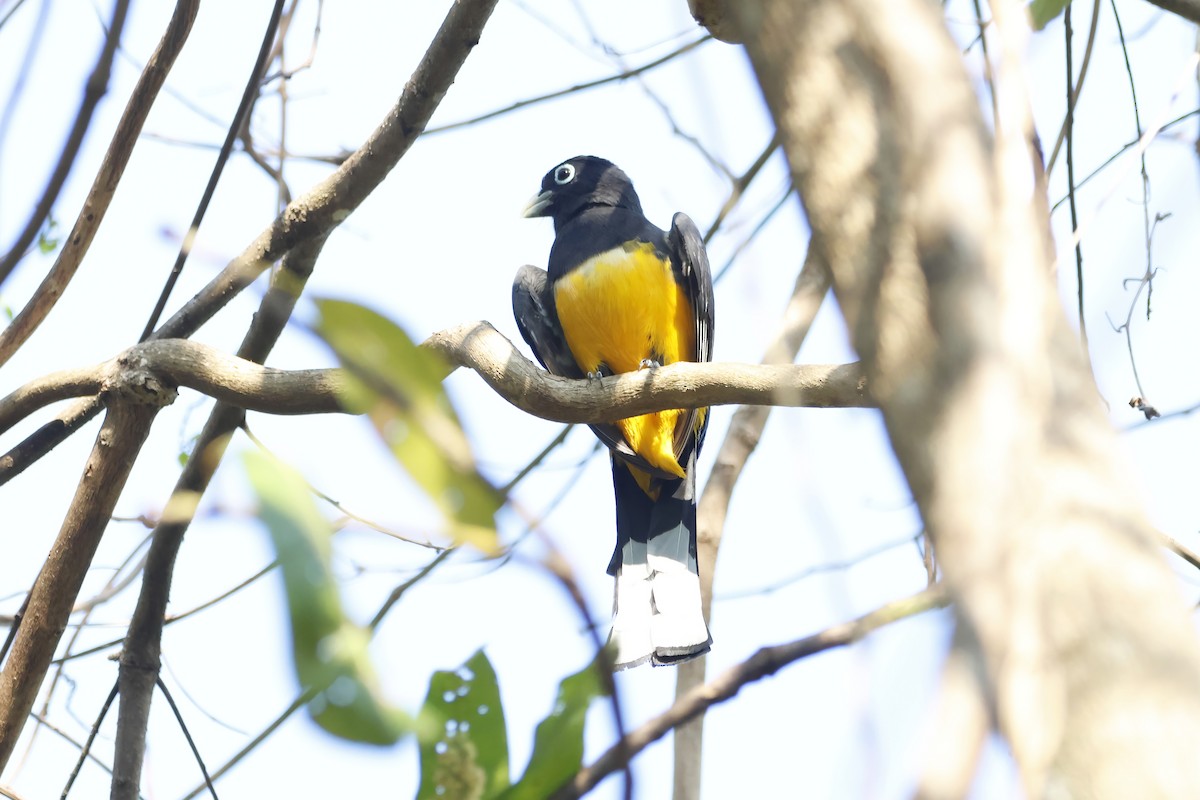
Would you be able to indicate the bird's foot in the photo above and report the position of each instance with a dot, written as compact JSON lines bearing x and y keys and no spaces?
{"x":648,"y":363}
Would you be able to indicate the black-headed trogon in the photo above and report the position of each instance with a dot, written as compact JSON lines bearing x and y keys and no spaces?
{"x":621,"y":295}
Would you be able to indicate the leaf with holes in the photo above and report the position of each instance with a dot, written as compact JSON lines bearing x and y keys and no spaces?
{"x":399,"y":386}
{"x":465,"y":753}
{"x":558,"y":743}
{"x":1043,"y":12}
{"x":329,"y":650}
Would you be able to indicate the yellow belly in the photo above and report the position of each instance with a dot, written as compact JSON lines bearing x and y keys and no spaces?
{"x":618,"y":309}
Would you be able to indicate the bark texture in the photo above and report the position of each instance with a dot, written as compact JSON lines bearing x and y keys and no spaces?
{"x":1090,"y":659}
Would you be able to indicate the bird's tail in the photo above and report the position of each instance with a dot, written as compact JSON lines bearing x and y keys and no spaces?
{"x":658,"y":615}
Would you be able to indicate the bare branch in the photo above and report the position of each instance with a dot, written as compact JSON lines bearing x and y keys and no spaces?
{"x":94,"y":90}
{"x":241,"y":119}
{"x":329,"y":204}
{"x":76,"y":245}
{"x":125,"y":429}
{"x":477,"y":345}
{"x":767,"y":661}
{"x":312,"y":217}
{"x":481,"y":347}
{"x":141,"y":658}
{"x":620,"y":76}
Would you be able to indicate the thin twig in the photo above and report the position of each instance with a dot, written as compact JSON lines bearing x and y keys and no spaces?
{"x":740,"y":184}
{"x":536,"y":461}
{"x":310,"y":692}
{"x":1140,"y":402}
{"x":1073,"y":94}
{"x":85,"y":751}
{"x":36,"y":37}
{"x":400,"y":590}
{"x":750,"y":237}
{"x":1144,"y":281}
{"x":658,"y":62}
{"x":240,"y":117}
{"x":818,"y":569}
{"x":99,"y":197}
{"x":187,"y":735}
{"x":989,"y":76}
{"x":1069,"y":127}
{"x":173,"y":618}
{"x":765,"y":662}
{"x":345,"y":511}
{"x":1120,"y":152}
{"x":1142,"y":145}
{"x":95,"y":89}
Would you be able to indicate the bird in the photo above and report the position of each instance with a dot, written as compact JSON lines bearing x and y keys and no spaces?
{"x":620,"y":295}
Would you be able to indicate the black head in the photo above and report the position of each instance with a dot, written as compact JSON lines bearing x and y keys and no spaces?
{"x":580,"y":183}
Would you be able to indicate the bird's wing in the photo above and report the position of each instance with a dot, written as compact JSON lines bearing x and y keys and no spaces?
{"x":533,"y":307}
{"x":689,"y":260}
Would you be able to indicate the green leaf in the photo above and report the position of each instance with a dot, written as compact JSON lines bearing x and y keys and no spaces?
{"x":558,"y":743}
{"x":399,"y":386}
{"x":1043,"y":12}
{"x":465,"y":753}
{"x":328,"y":650}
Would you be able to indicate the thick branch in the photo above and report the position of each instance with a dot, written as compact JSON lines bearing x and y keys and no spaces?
{"x":245,"y":384}
{"x":939,"y":265}
{"x":49,"y":608}
{"x":140,"y":657}
{"x":480,"y":347}
{"x":765,"y":662}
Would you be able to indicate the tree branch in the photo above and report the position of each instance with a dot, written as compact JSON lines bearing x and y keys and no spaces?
{"x":311,"y":217}
{"x":765,"y":662}
{"x":94,"y":91}
{"x":140,"y":659}
{"x":76,"y":245}
{"x":477,"y":345}
{"x":125,"y":428}
{"x":939,"y":265}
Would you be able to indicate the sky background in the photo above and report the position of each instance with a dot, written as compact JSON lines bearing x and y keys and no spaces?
{"x":437,"y":245}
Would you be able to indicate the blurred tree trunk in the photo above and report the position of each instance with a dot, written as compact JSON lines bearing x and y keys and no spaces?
{"x":941,"y":263}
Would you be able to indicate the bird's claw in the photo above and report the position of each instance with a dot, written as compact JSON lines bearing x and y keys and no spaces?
{"x":648,"y":363}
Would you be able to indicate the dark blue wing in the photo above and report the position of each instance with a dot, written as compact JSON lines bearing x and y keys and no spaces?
{"x":689,"y":260}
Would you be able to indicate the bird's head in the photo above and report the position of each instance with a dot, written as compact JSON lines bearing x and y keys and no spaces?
{"x":580,"y":183}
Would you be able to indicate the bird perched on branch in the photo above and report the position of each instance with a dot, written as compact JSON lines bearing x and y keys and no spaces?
{"x":622,"y":295}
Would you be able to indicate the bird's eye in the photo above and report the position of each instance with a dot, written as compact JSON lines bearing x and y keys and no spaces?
{"x":564,"y":173}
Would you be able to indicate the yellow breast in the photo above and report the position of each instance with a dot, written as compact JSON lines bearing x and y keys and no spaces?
{"x":618,"y":309}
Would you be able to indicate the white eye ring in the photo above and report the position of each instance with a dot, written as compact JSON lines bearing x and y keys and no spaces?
{"x":564,"y":174}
